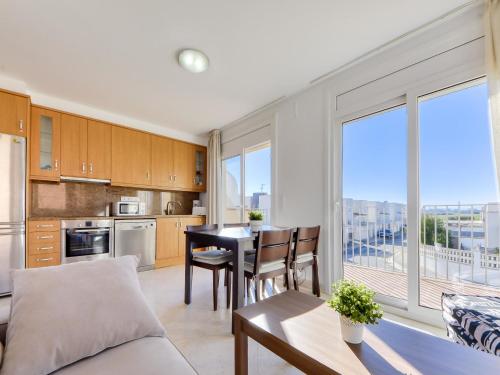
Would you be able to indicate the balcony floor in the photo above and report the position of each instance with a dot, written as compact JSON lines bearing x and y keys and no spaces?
{"x":395,"y":284}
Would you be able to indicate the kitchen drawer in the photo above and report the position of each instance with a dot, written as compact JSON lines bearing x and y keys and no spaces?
{"x":44,"y":226}
{"x":43,"y":248}
{"x":43,"y":238}
{"x":44,"y":260}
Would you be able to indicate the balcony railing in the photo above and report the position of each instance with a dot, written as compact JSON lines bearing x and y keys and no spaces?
{"x":457,"y":242}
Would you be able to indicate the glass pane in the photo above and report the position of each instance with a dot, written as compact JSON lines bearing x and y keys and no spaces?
{"x":231,"y":175}
{"x":460,"y":211}
{"x":45,"y":143}
{"x":258,"y":181}
{"x":200,"y":166}
{"x":374,"y":202}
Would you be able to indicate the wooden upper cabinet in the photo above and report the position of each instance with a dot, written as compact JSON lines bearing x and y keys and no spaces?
{"x":183,"y":165}
{"x":14,"y":114}
{"x":162,"y":161}
{"x":99,"y":150}
{"x":45,"y":144}
{"x":130,"y":157}
{"x":200,"y":168}
{"x":73,"y":146}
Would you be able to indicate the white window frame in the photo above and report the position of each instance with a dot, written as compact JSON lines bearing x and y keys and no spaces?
{"x":242,"y":156}
{"x":397,"y":93}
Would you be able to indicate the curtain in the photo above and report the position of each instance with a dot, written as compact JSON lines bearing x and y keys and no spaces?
{"x":492,"y":40}
{"x":214,"y":176}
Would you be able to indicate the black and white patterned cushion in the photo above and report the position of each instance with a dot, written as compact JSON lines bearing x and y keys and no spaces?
{"x":473,"y":321}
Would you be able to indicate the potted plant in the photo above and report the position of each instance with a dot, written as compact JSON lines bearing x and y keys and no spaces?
{"x":256,"y":220}
{"x":355,"y":305}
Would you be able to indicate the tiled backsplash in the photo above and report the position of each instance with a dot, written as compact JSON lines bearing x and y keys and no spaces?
{"x":68,"y":199}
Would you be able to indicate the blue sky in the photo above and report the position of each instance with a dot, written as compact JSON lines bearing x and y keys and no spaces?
{"x":456,"y":160}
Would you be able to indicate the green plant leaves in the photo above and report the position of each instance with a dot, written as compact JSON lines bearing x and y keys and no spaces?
{"x":355,"y":301}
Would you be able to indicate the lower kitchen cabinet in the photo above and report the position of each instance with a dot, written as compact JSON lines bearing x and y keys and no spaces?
{"x":171,"y":240}
{"x":44,"y":244}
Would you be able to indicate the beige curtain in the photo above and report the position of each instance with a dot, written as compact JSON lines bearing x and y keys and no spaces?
{"x":492,"y":39}
{"x":214,"y":176}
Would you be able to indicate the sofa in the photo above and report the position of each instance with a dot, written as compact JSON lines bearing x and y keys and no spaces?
{"x":150,"y":352}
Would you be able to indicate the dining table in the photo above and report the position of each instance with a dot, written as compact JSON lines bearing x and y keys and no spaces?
{"x":235,"y":239}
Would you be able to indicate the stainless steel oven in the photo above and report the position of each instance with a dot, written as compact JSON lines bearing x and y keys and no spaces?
{"x":86,"y":240}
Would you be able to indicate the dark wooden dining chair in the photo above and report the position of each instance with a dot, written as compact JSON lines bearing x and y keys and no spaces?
{"x":271,"y":258}
{"x":214,"y":260}
{"x":305,"y":254}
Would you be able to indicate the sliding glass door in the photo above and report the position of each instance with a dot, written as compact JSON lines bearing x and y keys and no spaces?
{"x":374,"y":201}
{"x":419,"y":196}
{"x":460,"y":211}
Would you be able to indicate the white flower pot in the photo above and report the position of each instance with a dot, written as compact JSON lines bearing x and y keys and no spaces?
{"x":351,"y":332}
{"x":256,"y":225}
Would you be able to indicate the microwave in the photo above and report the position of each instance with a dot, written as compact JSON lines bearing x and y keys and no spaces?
{"x":129,"y":208}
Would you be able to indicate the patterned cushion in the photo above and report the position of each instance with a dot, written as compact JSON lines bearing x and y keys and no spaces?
{"x":477,"y":316}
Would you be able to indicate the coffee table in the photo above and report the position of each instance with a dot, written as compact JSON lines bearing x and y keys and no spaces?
{"x":305,"y":332}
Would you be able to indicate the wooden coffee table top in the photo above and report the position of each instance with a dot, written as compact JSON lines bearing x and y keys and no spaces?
{"x":304,"y":331}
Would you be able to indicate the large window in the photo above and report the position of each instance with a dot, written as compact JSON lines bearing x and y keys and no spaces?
{"x":247,"y":184}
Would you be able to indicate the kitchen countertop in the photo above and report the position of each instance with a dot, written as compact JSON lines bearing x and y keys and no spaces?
{"x":108,"y":217}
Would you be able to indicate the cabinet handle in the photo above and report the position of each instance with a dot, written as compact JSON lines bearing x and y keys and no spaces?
{"x":45,"y":248}
{"x":83,"y":167}
{"x":175,"y":177}
{"x":44,"y":237}
{"x":44,"y":225}
{"x":56,"y":164}
{"x":170,"y":178}
{"x":147,"y":175}
{"x":21,"y":125}
{"x":91,"y":167}
{"x":44,"y":259}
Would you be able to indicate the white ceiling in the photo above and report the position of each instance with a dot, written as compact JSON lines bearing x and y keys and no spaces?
{"x":120,"y":55}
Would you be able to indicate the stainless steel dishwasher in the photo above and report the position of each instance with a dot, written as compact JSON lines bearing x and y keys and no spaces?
{"x":136,"y":237}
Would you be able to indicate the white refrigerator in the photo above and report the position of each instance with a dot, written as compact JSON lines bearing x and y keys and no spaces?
{"x":12,"y":207}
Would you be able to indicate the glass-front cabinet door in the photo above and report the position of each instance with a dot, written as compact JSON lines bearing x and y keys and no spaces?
{"x":45,"y":144}
{"x":200,"y":176}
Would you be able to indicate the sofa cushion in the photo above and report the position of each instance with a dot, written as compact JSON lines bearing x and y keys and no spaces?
{"x":62,"y":314}
{"x":146,"y":356}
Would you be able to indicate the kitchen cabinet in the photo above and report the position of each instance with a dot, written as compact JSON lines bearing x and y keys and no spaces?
{"x":200,"y":168}
{"x":73,"y":146}
{"x":171,"y":240}
{"x":162,"y":162}
{"x":99,"y":150}
{"x":45,"y":135}
{"x":85,"y":148}
{"x":44,"y":243}
{"x":183,"y":165}
{"x":130,"y":157}
{"x":14,"y":114}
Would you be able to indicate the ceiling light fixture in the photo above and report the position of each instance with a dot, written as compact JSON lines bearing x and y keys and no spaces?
{"x":193,"y":60}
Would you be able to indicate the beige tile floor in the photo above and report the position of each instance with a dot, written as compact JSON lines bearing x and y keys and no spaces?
{"x":203,"y":335}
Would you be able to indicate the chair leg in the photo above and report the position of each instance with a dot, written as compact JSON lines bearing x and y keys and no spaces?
{"x":226,"y":275}
{"x":228,"y":289}
{"x":215,"y":287}
{"x":257,"y":288}
{"x":247,"y":284}
{"x":295,"y":277}
{"x":316,"y":289}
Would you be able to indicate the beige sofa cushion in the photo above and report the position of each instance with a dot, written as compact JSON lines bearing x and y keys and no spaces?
{"x":147,"y":356}
{"x":65,"y":313}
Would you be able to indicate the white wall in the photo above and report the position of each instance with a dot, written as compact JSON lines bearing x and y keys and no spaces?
{"x":303,"y":146}
{"x":96,"y":113}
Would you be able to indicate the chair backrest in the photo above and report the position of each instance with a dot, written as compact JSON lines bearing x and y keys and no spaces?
{"x":273,"y":245}
{"x":306,"y":241}
{"x":198,"y":228}
{"x":236,"y":225}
